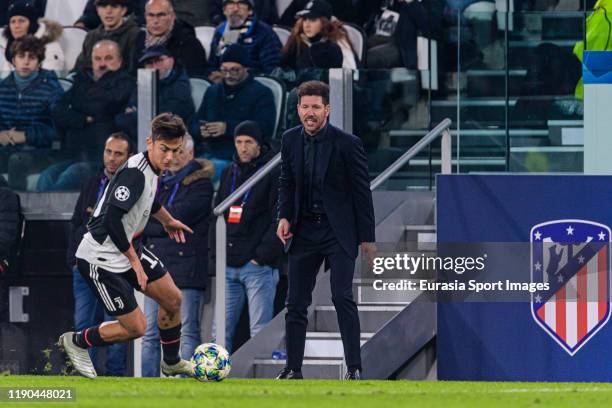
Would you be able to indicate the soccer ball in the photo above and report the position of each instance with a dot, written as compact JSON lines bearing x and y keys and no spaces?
{"x":211,"y":362}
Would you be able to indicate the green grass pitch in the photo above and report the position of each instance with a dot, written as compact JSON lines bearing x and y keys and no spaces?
{"x":170,"y":392}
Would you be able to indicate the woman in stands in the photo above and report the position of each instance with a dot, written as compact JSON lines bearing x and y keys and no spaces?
{"x":318,"y":42}
{"x":22,"y":21}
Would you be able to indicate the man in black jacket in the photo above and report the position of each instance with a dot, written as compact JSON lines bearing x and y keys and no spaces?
{"x":173,"y":90}
{"x":10,"y":223}
{"x":325,"y":212}
{"x":186,"y":192}
{"x":254,"y":253}
{"x":87,"y":309}
{"x":163,"y":28}
{"x":86,"y":114}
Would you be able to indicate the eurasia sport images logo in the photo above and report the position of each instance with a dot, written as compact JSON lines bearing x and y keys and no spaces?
{"x":573,"y":257}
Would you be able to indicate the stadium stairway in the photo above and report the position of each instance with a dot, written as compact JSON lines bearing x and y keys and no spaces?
{"x":396,"y":328}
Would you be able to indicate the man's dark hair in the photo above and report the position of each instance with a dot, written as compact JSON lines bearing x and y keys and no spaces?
{"x":125,"y":138}
{"x":167,"y":126}
{"x":31,"y":44}
{"x":121,"y":3}
{"x":314,"y":88}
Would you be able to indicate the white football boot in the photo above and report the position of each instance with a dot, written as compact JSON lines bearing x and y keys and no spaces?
{"x":79,"y":357}
{"x":183,"y":367}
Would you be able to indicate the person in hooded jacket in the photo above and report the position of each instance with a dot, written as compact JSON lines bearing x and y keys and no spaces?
{"x":22,"y":21}
{"x":254,"y":253}
{"x":115,"y":27}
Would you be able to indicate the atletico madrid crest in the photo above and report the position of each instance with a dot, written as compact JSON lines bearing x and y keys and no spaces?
{"x":573,"y":258}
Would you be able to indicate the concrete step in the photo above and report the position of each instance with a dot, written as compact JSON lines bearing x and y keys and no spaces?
{"x":371,"y":317}
{"x":324,"y":369}
{"x":370,"y":293}
{"x":326,"y":345}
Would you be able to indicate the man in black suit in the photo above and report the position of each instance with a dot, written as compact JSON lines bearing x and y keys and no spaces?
{"x":325,"y":212}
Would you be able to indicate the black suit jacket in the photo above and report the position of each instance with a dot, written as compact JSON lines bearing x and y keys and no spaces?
{"x":347,"y":198}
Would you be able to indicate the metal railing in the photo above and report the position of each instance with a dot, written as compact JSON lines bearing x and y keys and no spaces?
{"x":221,"y":244}
{"x":221,"y":232}
{"x":446,"y":149}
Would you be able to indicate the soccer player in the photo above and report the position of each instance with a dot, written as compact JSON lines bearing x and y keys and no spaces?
{"x":113,"y":269}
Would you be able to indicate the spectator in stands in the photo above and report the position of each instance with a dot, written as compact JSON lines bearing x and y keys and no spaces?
{"x":115,"y":27}
{"x":163,"y":28}
{"x":343,"y":10}
{"x":90,"y":18}
{"x":39,"y":9}
{"x":318,"y":42}
{"x":264,"y":9}
{"x":10,"y":230}
{"x":22,"y":22}
{"x":9,"y":227}
{"x":87,"y":114}
{"x":173,"y":90}
{"x":195,"y":12}
{"x":88,"y":311}
{"x":254,"y":253}
{"x":392,"y":40}
{"x":238,"y":98}
{"x":243,"y":27}
{"x":186,"y":192}
{"x":27,"y":97}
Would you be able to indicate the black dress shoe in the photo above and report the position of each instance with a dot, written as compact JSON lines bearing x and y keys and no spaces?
{"x":353,"y":374}
{"x":289,"y":374}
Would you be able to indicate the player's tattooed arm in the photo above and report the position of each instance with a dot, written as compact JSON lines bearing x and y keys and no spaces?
{"x":175,"y":229}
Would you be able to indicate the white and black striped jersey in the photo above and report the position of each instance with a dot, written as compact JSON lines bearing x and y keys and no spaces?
{"x":132,"y":189}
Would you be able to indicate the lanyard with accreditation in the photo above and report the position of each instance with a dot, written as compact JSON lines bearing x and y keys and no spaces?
{"x":235,"y":211}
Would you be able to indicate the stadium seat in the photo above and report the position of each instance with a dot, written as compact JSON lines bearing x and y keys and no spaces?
{"x":198,"y":89}
{"x":281,"y":6}
{"x":71,"y":42}
{"x":278,"y":90}
{"x":358,"y":39}
{"x":65,"y":83}
{"x":283,"y":33}
{"x":65,"y":12}
{"x":205,"y":34}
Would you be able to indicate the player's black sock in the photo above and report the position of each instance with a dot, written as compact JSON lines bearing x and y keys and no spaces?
{"x":89,"y":337}
{"x":170,"y":340}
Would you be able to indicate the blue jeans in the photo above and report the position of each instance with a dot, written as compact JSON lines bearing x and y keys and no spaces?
{"x":65,"y":176}
{"x":256,"y":284}
{"x":88,"y":311}
{"x":190,"y":331}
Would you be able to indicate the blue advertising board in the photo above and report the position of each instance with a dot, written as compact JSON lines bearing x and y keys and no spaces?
{"x":563,"y":334}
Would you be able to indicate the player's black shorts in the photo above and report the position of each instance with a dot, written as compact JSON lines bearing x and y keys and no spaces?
{"x":116,"y":290}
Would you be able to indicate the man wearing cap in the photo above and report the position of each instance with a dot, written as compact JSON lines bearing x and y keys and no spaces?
{"x":177,"y":36}
{"x":243,"y":27}
{"x":238,"y":98}
{"x":173,"y":90}
{"x":254,"y":253}
{"x":116,"y":27}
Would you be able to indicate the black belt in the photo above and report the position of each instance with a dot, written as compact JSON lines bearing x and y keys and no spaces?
{"x":314,"y":217}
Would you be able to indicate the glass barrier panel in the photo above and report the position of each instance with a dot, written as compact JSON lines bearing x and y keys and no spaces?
{"x":545,"y":117}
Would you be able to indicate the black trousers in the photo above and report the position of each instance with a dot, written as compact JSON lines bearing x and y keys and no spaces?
{"x":313,"y":243}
